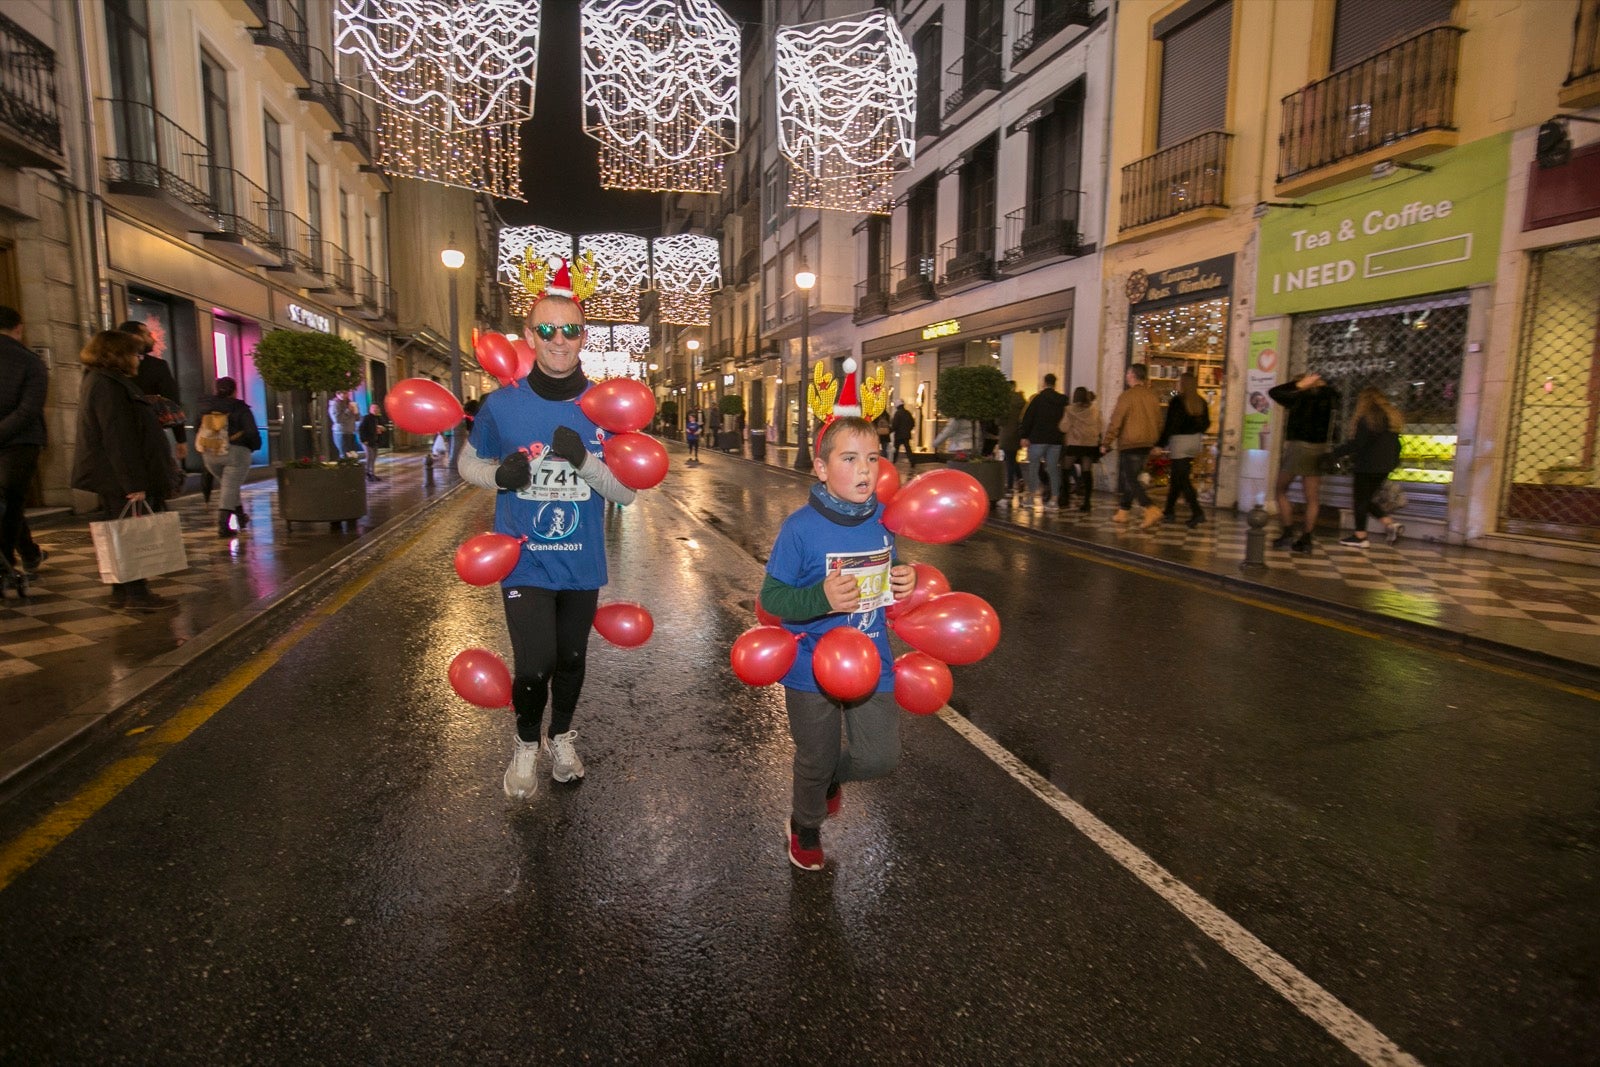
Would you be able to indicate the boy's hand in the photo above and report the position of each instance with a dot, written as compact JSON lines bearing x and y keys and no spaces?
{"x":841,"y":589}
{"x":902,"y":580}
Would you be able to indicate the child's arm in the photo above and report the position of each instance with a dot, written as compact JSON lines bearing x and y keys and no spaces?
{"x":837,"y":592}
{"x":902,"y":580}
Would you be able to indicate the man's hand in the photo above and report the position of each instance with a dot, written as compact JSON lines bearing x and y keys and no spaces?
{"x":513,"y":473}
{"x":902,"y":580}
{"x":843,"y":593}
{"x":1309,"y":381}
{"x":569,"y":446}
{"x":182,"y":450}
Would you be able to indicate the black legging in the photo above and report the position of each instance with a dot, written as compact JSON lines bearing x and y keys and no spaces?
{"x":1361,"y":489}
{"x":550,"y":641}
{"x":1179,"y":484}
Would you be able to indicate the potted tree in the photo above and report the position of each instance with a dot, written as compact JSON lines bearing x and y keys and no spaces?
{"x":667,"y":417}
{"x":976,"y":394}
{"x":732,"y":407}
{"x":299,"y":364}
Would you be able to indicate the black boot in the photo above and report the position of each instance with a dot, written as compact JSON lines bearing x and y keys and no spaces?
{"x":243,"y":519}
{"x":223,"y":529}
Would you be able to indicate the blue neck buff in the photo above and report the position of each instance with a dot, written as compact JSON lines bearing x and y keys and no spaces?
{"x":828,"y":502}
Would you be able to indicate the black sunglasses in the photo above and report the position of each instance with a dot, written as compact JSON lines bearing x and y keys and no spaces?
{"x":547,"y":330}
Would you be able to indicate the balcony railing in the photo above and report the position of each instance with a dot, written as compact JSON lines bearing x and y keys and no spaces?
{"x":872,"y":298}
{"x":155,"y":153}
{"x":284,"y":28}
{"x":324,"y":83}
{"x":241,"y":208}
{"x":1395,"y":94}
{"x":974,"y":73}
{"x":1176,"y":180}
{"x":377,"y":299}
{"x":28,"y":107}
{"x":302,"y":245}
{"x":911,"y":282}
{"x":1044,"y":231}
{"x":967,"y":261}
{"x":355,"y":123}
{"x":1585,"y":42}
{"x":1037,"y":21}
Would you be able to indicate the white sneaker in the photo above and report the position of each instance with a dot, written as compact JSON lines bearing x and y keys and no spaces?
{"x":564,"y":762}
{"x":522,"y":777}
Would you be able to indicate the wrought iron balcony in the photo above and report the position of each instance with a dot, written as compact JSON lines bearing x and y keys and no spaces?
{"x":1175,"y":181}
{"x":243,"y":220}
{"x":283,"y":27}
{"x":322,"y":86}
{"x":339,"y":280}
{"x":1582,"y":87}
{"x":163,"y":164}
{"x":872,"y":298}
{"x":377,"y":299}
{"x":966,"y":262}
{"x":30,"y":121}
{"x":975,"y":73}
{"x":911,"y":283}
{"x":304,"y":263}
{"x":355,"y":126}
{"x":1037,"y":21}
{"x":1044,"y":232}
{"x":1398,"y":93}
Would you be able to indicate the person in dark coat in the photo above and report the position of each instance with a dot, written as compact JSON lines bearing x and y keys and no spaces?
{"x":1040,"y":434}
{"x":122,"y":454}
{"x":1183,"y":437}
{"x":902,"y":424}
{"x":155,"y":378}
{"x":23,"y":380}
{"x":1374,"y":445}
{"x":371,"y":434}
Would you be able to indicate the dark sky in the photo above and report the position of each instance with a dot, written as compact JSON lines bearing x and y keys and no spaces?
{"x":560,"y":166}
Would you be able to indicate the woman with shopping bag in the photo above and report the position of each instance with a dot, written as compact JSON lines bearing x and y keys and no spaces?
{"x":122,"y":455}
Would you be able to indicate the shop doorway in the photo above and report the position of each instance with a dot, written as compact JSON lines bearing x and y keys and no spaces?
{"x":1185,"y":338}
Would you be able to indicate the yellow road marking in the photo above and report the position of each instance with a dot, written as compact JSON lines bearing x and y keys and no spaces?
{"x":33,"y":844}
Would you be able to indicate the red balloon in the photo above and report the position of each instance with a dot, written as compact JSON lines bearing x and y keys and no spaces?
{"x":846,"y":663}
{"x":419,"y":406}
{"x":497,"y":356}
{"x":938,"y":507}
{"x":765,"y":617}
{"x":623,"y":624}
{"x":524,"y":357}
{"x":619,"y":405}
{"x":922,"y":685}
{"x":637,"y":459}
{"x":931,"y":582}
{"x":956,"y":628}
{"x":480,"y":677}
{"x":888,"y":483}
{"x":763,"y":654}
{"x":487,"y":558}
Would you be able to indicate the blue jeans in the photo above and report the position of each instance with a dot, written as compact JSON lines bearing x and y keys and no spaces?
{"x":1051,"y":456}
{"x":1130,"y":461}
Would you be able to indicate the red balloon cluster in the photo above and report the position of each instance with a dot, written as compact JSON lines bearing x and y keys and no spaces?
{"x":498,"y":356}
{"x":846,"y":663}
{"x":938,"y":507}
{"x":888,"y":483}
{"x":624,"y":624}
{"x":763,"y":654}
{"x":956,"y":628}
{"x":417,"y":405}
{"x":524,"y":357}
{"x":480,"y":677}
{"x":931,"y":582}
{"x":637,"y":459}
{"x":487,"y":558}
{"x":765,"y":617}
{"x":619,"y":405}
{"x":922,"y":684}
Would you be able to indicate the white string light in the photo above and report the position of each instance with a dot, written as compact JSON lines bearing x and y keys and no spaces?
{"x":622,"y":268}
{"x":487,"y":159}
{"x":661,"y":92}
{"x":847,"y":92}
{"x":688,"y":269}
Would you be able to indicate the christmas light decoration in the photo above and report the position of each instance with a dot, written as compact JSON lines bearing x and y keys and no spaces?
{"x":661,"y":92}
{"x":515,"y":243}
{"x":688,"y":269}
{"x":847,"y":92}
{"x":486,"y":159}
{"x":633,"y":340}
{"x":622,"y":271}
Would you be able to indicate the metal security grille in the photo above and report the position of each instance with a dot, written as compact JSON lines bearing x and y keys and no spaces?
{"x":1551,"y":487}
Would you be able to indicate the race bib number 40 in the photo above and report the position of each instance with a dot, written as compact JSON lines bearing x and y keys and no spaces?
{"x":554,"y":479}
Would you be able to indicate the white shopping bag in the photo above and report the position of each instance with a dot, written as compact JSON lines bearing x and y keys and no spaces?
{"x":138,"y":544}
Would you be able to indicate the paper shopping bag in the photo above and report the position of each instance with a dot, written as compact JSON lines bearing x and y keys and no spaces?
{"x":138,"y":545}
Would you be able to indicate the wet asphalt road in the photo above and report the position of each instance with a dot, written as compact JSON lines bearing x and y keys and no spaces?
{"x":328,"y":871}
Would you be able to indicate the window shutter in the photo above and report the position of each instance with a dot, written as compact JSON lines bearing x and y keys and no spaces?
{"x":1194,"y":76}
{"x":1363,"y":27}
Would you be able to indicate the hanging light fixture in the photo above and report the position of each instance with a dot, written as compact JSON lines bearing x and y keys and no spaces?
{"x":661,"y":92}
{"x":688,"y":269}
{"x":622,"y":271}
{"x":847,"y":92}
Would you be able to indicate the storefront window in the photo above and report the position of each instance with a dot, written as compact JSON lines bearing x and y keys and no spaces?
{"x":1413,"y":353}
{"x":1551,"y":484}
{"x":1185,"y":338}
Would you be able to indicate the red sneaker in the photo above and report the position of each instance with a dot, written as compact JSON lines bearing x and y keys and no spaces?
{"x":805,"y":847}
{"x":835,"y":799}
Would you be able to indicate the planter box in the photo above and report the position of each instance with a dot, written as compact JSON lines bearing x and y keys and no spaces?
{"x":322,"y":494}
{"x":990,"y":473}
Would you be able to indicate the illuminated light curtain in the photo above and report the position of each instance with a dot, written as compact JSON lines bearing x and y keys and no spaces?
{"x":688,"y":269}
{"x":661,"y":92}
{"x":517,"y":241}
{"x":602,"y":365}
{"x":632,"y":340}
{"x":622,"y":268}
{"x":487,"y":159}
{"x":847,"y":92}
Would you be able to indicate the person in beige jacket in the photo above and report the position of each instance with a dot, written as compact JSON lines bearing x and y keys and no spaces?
{"x":1080,"y":442}
{"x":1133,"y":429}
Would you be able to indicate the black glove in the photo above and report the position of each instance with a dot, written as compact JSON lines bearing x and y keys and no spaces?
{"x":569,"y":446}
{"x":513,"y":473}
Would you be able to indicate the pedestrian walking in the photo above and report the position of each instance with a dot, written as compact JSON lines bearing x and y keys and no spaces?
{"x":225,"y":434}
{"x":1374,"y":446}
{"x":370,"y":433}
{"x":24,"y":380}
{"x":1182,"y":436}
{"x":1041,"y":440}
{"x":343,"y":416}
{"x":885,"y":431}
{"x":833,"y":565}
{"x":903,"y":424}
{"x":1010,"y":439}
{"x":1310,"y":402}
{"x":122,"y":453}
{"x":155,"y":377}
{"x":1080,"y":443}
{"x":551,"y":595}
{"x":691,"y":436}
{"x":1133,"y":429}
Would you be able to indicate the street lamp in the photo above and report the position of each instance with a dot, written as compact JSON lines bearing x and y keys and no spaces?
{"x":453,"y":258}
{"x":804,"y":279}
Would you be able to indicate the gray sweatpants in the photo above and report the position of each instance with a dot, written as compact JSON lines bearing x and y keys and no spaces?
{"x":871,"y":729}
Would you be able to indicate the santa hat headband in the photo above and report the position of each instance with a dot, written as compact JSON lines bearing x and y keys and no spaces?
{"x":832,"y":398}
{"x":575,"y":280}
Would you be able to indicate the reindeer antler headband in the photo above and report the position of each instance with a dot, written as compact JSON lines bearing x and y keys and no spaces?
{"x":557,"y":277}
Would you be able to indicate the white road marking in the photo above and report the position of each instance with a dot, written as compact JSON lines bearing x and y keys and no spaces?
{"x":1350,"y":1029}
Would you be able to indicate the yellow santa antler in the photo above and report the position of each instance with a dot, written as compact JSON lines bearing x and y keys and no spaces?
{"x":585,"y":280}
{"x":822,"y":392}
{"x":535,"y":274}
{"x":874,"y":396}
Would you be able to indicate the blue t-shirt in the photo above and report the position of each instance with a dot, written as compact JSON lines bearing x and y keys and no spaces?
{"x":691,"y":429}
{"x":559,"y":513}
{"x":808,"y":546}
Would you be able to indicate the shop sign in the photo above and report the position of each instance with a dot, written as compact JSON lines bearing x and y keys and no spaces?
{"x":1181,"y":285}
{"x":727,"y":379}
{"x":1260,"y":375}
{"x":310,"y":319}
{"x":905,"y":357}
{"x":947,"y":328}
{"x":1418,"y":232}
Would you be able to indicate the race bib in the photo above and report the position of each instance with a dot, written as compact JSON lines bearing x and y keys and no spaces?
{"x":871,"y":573}
{"x":554,"y":479}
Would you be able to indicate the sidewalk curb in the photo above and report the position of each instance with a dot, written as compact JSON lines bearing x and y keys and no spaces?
{"x":23,"y":761}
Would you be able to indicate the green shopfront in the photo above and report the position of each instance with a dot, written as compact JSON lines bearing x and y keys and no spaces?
{"x":1384,"y":282}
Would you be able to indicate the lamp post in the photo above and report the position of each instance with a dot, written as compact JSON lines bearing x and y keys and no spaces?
{"x":452,"y":257}
{"x":804,"y":279}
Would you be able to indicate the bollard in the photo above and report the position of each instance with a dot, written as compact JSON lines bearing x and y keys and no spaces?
{"x":1255,"y":540}
{"x":427,"y":469}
